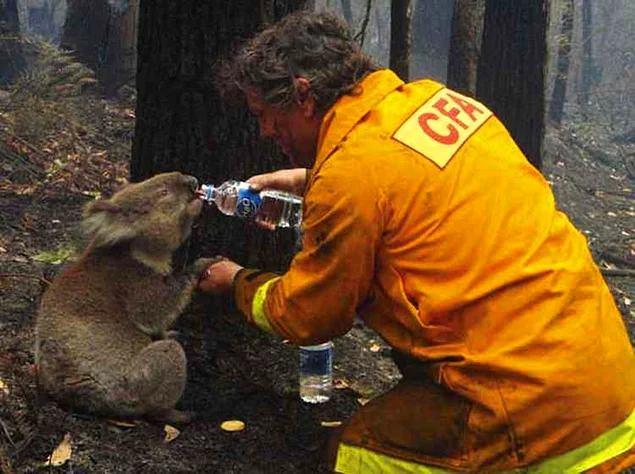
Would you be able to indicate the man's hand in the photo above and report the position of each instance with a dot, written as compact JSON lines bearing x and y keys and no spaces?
{"x":290,"y":180}
{"x":218,"y":277}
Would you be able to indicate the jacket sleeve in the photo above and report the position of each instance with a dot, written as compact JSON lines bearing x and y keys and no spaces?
{"x":329,"y":278}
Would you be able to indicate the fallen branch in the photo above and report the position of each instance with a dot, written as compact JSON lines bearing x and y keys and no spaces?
{"x":24,"y":142}
{"x":25,"y":275}
{"x":620,"y":272}
{"x":6,"y":432}
{"x":5,"y":463}
{"x":624,"y":194}
{"x":616,"y":259}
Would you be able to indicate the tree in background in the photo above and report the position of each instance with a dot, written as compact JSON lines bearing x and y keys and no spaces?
{"x":85,"y":30}
{"x":102,"y":35}
{"x":182,"y":124}
{"x":511,"y":69}
{"x":614,"y":65}
{"x":588,"y":70}
{"x":564,"y":38}
{"x":11,"y":57}
{"x":400,"y":37}
{"x":44,"y":18}
{"x":431,"y":34}
{"x":465,"y":45}
{"x":347,"y":11}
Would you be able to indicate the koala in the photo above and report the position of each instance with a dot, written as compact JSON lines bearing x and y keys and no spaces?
{"x":102,"y":342}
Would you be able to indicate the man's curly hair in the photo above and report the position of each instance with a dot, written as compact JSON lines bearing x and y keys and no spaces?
{"x":316,"y":46}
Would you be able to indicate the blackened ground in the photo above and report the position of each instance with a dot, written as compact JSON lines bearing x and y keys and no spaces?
{"x":245,"y":375}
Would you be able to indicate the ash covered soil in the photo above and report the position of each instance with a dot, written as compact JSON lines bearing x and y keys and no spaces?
{"x":235,"y":372}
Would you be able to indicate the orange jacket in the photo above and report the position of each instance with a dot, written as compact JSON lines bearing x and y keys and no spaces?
{"x":423,"y":217}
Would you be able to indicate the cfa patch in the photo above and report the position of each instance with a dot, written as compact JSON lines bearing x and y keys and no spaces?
{"x":439,"y":128}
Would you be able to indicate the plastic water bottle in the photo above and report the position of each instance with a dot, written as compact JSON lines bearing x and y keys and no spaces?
{"x":316,"y":372}
{"x":236,"y":198}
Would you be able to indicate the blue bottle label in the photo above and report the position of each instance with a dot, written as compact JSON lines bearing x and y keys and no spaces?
{"x":248,"y":203}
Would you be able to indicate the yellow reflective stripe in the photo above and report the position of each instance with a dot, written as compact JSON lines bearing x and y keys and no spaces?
{"x":258,"y":306}
{"x":610,"y":444}
{"x":356,"y":460}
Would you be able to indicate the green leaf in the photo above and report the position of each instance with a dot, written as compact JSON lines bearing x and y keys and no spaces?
{"x":55,"y":257}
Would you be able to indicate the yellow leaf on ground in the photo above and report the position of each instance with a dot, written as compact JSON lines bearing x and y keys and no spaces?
{"x":4,"y":388}
{"x":171,"y":433}
{"x":362,"y":401}
{"x":375,"y":348}
{"x":331,"y":424}
{"x":232,"y":425}
{"x":62,"y":453}
{"x":340,"y":384}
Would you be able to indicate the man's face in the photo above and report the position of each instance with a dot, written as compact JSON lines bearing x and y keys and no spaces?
{"x":294,"y":128}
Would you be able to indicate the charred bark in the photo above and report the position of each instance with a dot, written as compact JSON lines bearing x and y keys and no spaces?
{"x":559,"y":93}
{"x":182,"y":124}
{"x":511,"y":69}
{"x":103,"y":37}
{"x":120,"y":57}
{"x":588,"y":70}
{"x":400,"y":37}
{"x":86,"y":31}
{"x":347,"y":11}
{"x":465,"y":45}
{"x":431,"y":33}
{"x":12,"y":61}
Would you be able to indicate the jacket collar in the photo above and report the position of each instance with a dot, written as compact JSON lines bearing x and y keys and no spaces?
{"x":350,"y":108}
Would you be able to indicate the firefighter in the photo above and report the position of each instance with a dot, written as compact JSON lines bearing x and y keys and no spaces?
{"x":423,"y":217}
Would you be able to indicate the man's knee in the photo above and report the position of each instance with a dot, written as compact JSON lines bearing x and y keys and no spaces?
{"x":414,"y":420}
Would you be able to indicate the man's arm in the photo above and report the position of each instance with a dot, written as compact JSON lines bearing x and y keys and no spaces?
{"x":316,"y":299}
{"x":290,"y":180}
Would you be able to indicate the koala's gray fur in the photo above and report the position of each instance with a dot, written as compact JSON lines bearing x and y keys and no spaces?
{"x":98,"y":324}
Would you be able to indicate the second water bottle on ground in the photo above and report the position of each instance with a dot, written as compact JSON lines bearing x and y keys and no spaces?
{"x":236,"y":198}
{"x":316,"y":372}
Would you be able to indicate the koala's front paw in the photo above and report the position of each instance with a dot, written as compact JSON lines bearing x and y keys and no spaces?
{"x":196,"y":270}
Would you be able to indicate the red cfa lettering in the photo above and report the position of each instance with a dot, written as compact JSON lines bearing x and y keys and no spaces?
{"x":448,"y":139}
{"x":466,"y":106}
{"x":452,"y":114}
{"x":448,"y":116}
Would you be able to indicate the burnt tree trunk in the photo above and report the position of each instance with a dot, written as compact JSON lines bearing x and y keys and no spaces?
{"x":559,"y":93}
{"x":120,"y":57}
{"x":465,"y":45}
{"x":431,"y":33}
{"x":588,"y":70}
{"x":511,"y":69}
{"x":103,"y":36}
{"x":11,"y":57}
{"x":86,"y":31}
{"x":347,"y":11}
{"x":400,"y":37}
{"x":182,"y":124}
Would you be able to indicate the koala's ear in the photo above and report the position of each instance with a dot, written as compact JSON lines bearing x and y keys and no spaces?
{"x":105,"y":223}
{"x":100,"y":205}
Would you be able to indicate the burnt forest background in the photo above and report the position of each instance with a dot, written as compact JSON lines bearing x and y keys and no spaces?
{"x":94,"y":93}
